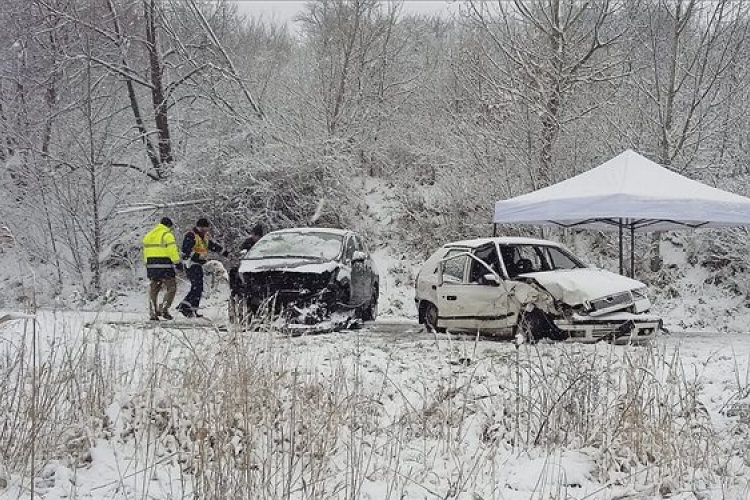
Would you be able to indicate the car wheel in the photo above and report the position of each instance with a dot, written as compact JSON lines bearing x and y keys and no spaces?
{"x":342,"y":299}
{"x":370,"y":311}
{"x":430,"y":316}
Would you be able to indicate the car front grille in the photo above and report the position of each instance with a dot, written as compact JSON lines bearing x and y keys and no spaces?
{"x":615,"y":302}
{"x":286,"y":287}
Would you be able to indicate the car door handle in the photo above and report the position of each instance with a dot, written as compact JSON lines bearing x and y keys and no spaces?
{"x":451,"y":297}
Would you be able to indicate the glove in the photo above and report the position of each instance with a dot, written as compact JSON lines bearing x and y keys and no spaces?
{"x":179,"y":266}
{"x":225,"y":253}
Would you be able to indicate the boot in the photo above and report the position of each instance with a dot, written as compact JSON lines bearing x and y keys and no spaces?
{"x":185,"y":311}
{"x":165,"y":314}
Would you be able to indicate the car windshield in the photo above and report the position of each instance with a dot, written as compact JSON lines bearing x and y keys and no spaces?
{"x":559,"y":258}
{"x":522,"y":259}
{"x":306,"y":245}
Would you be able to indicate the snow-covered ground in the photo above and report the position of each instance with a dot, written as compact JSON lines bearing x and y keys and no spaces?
{"x":126,"y":410}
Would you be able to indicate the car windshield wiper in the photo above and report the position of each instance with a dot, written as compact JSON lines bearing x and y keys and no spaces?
{"x":309,"y":257}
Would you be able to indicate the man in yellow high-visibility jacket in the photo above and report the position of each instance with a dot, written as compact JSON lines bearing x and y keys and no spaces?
{"x":162,"y":258}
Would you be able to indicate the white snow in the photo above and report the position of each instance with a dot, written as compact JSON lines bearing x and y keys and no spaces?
{"x":390,"y":411}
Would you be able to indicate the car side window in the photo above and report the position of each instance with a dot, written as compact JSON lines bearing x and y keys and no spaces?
{"x":489,"y":256}
{"x":521,"y":259}
{"x":454,"y":268}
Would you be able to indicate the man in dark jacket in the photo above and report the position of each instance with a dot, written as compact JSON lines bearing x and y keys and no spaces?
{"x":161,"y":258}
{"x":255,"y":235}
{"x":195,"y":248}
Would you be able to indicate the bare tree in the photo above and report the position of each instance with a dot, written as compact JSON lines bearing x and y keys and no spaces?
{"x":349,"y":42}
{"x":535,"y":55}
{"x":688,"y":58}
{"x":175,"y":49}
{"x":685,"y":51}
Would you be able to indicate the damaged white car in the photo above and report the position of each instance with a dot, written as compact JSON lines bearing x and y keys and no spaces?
{"x":536,"y":288}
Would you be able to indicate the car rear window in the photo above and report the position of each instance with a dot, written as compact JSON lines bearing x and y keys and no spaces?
{"x":315,"y":245}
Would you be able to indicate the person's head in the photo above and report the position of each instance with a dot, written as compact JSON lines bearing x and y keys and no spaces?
{"x":202,"y":225}
{"x":166,"y":221}
{"x":257,"y":232}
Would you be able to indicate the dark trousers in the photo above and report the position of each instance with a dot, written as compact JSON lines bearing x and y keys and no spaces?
{"x":193,"y":298}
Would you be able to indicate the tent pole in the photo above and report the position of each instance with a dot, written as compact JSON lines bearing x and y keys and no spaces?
{"x":494,"y":229}
{"x":632,"y":250}
{"x":620,"y":240}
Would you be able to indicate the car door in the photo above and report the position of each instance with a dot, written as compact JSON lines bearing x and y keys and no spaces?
{"x":361,"y":283}
{"x":481,"y":304}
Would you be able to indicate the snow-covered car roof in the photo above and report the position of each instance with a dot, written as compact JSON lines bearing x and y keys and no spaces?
{"x":502,"y":240}
{"x":341,"y":232}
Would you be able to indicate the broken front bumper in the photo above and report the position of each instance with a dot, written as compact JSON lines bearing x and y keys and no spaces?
{"x":619,"y":327}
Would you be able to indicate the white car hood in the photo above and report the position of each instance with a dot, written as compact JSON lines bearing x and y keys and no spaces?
{"x":575,"y":286}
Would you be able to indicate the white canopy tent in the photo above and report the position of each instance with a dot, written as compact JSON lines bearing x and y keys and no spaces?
{"x":627,"y":192}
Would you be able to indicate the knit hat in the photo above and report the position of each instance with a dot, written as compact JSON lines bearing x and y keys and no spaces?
{"x":257,"y":230}
{"x":166,"y":221}
{"x":202,"y":222}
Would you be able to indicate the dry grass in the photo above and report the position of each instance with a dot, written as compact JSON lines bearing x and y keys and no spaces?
{"x":248,"y":414}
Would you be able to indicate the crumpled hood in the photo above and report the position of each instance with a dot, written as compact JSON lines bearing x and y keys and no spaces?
{"x":575,"y":286}
{"x":292,"y":265}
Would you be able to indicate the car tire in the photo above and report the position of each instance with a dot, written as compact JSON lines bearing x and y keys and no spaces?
{"x":342,"y":298}
{"x":430,"y":316}
{"x":370,"y":311}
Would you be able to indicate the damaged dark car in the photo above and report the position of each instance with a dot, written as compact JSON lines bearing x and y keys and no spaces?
{"x":306,"y":274}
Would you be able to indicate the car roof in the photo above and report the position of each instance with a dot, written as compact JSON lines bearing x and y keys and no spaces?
{"x":502,"y":240}
{"x":340,"y":232}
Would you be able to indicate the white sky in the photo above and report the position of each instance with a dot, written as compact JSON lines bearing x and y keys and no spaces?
{"x":285,"y":10}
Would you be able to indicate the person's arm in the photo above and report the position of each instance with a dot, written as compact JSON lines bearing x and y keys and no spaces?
{"x":187,"y":246}
{"x":247,"y":244}
{"x":215,"y":247}
{"x":171,"y":245}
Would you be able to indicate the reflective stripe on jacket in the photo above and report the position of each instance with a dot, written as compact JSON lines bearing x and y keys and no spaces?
{"x":160,"y":248}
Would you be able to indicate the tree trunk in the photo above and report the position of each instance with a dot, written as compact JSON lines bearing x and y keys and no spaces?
{"x":152,"y":154}
{"x":157,"y":90}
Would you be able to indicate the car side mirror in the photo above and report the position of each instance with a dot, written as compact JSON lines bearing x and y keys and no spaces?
{"x":491,"y":279}
{"x":359,"y":256}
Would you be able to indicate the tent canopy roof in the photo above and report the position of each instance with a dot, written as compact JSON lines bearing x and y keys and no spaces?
{"x":645,"y":195}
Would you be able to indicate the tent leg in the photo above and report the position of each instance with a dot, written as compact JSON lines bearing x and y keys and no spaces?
{"x":632,"y":251}
{"x":494,"y":229}
{"x":620,"y":240}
